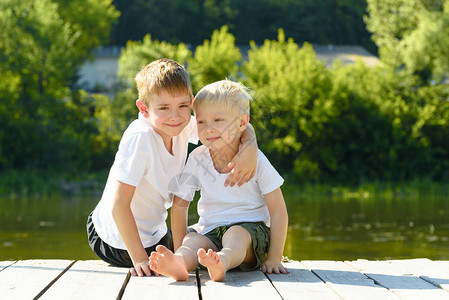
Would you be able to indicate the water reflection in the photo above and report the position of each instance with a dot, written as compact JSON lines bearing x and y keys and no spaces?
{"x":339,"y":229}
{"x":320,"y":228}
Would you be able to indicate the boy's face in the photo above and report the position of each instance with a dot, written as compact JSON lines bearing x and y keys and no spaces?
{"x":168,"y":114}
{"x":218,"y":127}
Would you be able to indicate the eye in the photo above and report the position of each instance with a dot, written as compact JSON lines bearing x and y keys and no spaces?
{"x":163,"y":108}
{"x":185,"y":106}
{"x":200,"y":122}
{"x":219,"y":120}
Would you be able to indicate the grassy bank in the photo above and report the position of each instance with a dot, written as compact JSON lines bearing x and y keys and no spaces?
{"x":387,"y":190}
{"x":37,"y":182}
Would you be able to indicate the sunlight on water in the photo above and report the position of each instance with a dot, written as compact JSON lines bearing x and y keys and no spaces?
{"x":320,"y":228}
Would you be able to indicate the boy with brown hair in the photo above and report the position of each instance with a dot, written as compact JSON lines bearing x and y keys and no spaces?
{"x":129,"y":220}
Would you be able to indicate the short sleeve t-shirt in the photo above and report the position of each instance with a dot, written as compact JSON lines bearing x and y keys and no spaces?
{"x":220,"y":205}
{"x":143,"y":161}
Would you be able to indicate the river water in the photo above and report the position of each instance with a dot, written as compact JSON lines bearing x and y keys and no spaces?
{"x":320,"y":228}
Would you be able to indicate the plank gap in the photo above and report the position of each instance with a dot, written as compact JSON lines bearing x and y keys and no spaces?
{"x":198,"y":283}
{"x":376,"y":282}
{"x":54,"y":280}
{"x":326,"y":283}
{"x":269,"y":279}
{"x":436,"y":284}
{"x":367,"y":275}
{"x":6,"y":267}
{"x":122,"y":289}
{"x":317,"y":275}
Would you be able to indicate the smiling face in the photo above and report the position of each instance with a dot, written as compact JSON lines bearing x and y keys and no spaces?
{"x":169,"y":114}
{"x":219,"y":128}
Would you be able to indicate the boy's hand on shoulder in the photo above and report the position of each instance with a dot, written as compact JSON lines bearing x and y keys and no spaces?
{"x":242,"y":167}
{"x":244,"y":164}
{"x":238,"y":173}
{"x":142,"y":269}
{"x":274,"y":266}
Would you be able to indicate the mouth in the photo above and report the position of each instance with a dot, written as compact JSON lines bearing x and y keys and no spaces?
{"x":174,"y":125}
{"x":212,"y":139}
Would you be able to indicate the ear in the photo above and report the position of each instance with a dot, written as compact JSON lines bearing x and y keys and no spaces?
{"x":244,"y":120}
{"x":142,"y":108}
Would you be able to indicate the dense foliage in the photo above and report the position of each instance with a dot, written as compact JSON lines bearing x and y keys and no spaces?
{"x":192,"y":21}
{"x":45,"y":121}
{"x":346,"y":124}
{"x":349,"y":123}
{"x":416,"y":35}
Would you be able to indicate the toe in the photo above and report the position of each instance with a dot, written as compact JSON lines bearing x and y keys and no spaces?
{"x":161,"y":249}
{"x":201,"y":252}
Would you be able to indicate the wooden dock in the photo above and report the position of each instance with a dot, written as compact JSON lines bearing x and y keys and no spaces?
{"x":361,"y":279}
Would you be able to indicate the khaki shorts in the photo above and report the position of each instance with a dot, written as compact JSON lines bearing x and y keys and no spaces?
{"x":260,"y":236}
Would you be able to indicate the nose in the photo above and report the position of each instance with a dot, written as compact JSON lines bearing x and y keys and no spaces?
{"x":174,"y":114}
{"x":210,"y":128}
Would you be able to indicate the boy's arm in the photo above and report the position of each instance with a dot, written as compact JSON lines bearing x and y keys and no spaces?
{"x":278,"y":232}
{"x":126,"y":225}
{"x":243,"y":165}
{"x":178,"y":215}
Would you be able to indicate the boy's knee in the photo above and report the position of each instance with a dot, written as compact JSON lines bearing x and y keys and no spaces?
{"x":237,"y":230}
{"x":191,"y":236}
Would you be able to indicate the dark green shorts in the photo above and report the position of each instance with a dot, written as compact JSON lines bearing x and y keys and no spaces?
{"x":260,"y":236}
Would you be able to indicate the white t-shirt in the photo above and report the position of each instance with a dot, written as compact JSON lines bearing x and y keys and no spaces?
{"x":143,"y":161}
{"x":220,"y":205}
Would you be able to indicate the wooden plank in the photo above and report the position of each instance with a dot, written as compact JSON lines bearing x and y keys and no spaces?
{"x":301,"y":283}
{"x":347,"y":282}
{"x":238,"y":285}
{"x":160,"y":288}
{"x":5,"y":264}
{"x":397,"y":277}
{"x":91,"y":279}
{"x":435,"y":272}
{"x":27,"y":278}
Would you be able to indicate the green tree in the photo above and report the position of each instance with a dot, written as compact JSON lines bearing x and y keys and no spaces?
{"x":47,"y":123}
{"x":192,"y":21}
{"x":345,"y":124}
{"x":215,"y":59}
{"x":403,"y":129}
{"x":89,"y":22}
{"x":292,"y":104}
{"x":132,"y":58}
{"x":413,"y":34}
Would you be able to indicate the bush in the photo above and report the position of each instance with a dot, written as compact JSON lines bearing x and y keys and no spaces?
{"x":347,"y":124}
{"x":214,"y":60}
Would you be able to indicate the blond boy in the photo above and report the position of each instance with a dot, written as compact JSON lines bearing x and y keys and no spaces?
{"x":233,"y":229}
{"x":129,"y":220}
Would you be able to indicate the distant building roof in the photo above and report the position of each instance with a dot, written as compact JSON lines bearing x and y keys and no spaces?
{"x":347,"y":54}
{"x":330,"y":53}
{"x":100,"y":72}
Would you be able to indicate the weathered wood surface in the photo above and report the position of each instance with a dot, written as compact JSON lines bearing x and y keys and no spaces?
{"x":401,"y":279}
{"x":361,"y":279}
{"x":347,"y":282}
{"x":27,"y":279}
{"x":160,"y":288}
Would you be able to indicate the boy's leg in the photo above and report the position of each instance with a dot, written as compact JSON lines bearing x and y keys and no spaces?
{"x":237,"y":249}
{"x":177,"y":265}
{"x":109,"y":254}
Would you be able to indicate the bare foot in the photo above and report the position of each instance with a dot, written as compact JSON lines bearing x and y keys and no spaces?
{"x":211,"y":260}
{"x":164,"y":262}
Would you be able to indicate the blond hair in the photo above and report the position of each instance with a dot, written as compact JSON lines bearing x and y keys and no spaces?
{"x":162,"y":74}
{"x":233,"y":95}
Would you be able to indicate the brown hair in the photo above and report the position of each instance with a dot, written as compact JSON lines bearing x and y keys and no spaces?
{"x":162,"y":74}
